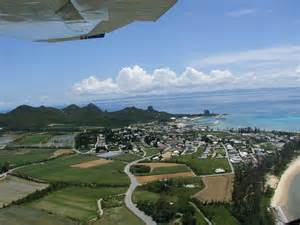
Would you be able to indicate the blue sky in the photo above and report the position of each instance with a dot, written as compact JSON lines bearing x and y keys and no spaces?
{"x":198,"y":45}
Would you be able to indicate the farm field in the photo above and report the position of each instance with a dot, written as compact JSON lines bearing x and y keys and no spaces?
{"x":17,"y":215}
{"x":109,"y":174}
{"x":217,"y":189}
{"x":198,"y":215}
{"x":177,"y":190}
{"x":168,"y":196}
{"x":62,"y":141}
{"x":7,"y":138}
{"x":151,"y":178}
{"x":219,"y":215}
{"x":91,"y":164}
{"x":203,"y":166}
{"x":164,"y":168}
{"x":62,"y":152}
{"x":21,"y":157}
{"x":32,"y":139}
{"x":127,"y":158}
{"x":151,"y":151}
{"x":79,"y":203}
{"x":14,"y":188}
{"x":118,"y":216}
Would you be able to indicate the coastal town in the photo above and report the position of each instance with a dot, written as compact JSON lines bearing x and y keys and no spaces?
{"x":186,"y":153}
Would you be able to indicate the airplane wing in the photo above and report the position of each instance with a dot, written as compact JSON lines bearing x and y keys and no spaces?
{"x":63,"y":20}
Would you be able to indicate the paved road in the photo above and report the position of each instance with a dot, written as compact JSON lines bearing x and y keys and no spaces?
{"x":128,"y":198}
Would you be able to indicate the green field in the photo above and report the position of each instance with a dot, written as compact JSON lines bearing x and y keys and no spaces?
{"x":24,"y":156}
{"x":174,"y":193}
{"x":219,"y":215}
{"x":202,"y":166}
{"x":118,"y":216}
{"x":127,"y":158}
{"x":151,"y":151}
{"x":28,"y":216}
{"x":33,"y":139}
{"x":167,"y":170}
{"x":143,"y":195}
{"x":79,"y":203}
{"x":198,"y":216}
{"x":60,"y":170}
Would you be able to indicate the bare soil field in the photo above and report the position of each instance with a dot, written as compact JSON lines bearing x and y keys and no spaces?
{"x":159,"y":165}
{"x":149,"y":179}
{"x":62,"y":152}
{"x":217,"y":189}
{"x":91,"y":164}
{"x":14,"y":188}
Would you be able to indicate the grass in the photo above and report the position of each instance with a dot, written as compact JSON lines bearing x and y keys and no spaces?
{"x":33,"y":139}
{"x":79,"y":203}
{"x":203,"y":166}
{"x":143,"y":195}
{"x":168,"y":170}
{"x":174,"y":194}
{"x":28,"y":216}
{"x":199,"y":219}
{"x":151,"y":151}
{"x":60,"y":170}
{"x":199,"y":216}
{"x":24,"y":156}
{"x":219,"y":215}
{"x":128,"y":158}
{"x":118,"y":216}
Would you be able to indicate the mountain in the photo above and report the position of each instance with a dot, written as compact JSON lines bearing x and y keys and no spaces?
{"x":28,"y":117}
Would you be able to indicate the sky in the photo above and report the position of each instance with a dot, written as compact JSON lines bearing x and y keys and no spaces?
{"x":198,"y":45}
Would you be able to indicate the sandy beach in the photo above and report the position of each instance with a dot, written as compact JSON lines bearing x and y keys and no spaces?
{"x":282,"y":192}
{"x":280,"y":199}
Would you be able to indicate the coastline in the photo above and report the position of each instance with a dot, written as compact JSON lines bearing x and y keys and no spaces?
{"x":281,"y":195}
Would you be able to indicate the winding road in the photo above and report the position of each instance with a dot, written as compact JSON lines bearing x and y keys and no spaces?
{"x":128,"y":197}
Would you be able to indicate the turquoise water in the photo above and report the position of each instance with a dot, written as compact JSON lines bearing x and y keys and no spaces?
{"x":263,"y":121}
{"x":269,"y":109}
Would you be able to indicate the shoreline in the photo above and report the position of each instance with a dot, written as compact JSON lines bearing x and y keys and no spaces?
{"x":281,"y":195}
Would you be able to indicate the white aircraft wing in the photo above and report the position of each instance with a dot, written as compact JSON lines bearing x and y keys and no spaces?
{"x":63,"y":20}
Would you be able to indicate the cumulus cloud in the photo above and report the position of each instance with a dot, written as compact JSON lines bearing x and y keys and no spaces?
{"x":258,"y":68}
{"x":133,"y":81}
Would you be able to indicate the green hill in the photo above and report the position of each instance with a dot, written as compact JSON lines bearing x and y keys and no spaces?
{"x":28,"y":117}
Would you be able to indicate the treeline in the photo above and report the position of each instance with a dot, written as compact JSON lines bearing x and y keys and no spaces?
{"x":162,"y":210}
{"x":249,"y":186}
{"x":4,"y":167}
{"x":248,"y":195}
{"x":258,"y":130}
{"x":284,"y":157}
{"x":70,"y":184}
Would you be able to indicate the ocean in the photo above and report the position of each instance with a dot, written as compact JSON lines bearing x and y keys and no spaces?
{"x":269,"y":109}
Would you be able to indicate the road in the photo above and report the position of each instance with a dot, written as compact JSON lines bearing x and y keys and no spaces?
{"x":199,"y":211}
{"x":128,"y":197}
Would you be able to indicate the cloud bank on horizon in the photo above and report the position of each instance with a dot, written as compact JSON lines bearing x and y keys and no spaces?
{"x":259,"y":68}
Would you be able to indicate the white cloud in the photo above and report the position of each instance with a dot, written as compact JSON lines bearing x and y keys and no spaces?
{"x":257,"y":68}
{"x":266,"y":55}
{"x":242,"y":12}
{"x":132,"y":81}
{"x":298,"y":70}
{"x":92,"y":85}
